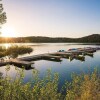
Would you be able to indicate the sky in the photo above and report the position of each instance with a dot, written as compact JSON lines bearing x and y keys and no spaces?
{"x":52,"y":18}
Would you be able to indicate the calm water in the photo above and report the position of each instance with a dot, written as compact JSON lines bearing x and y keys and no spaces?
{"x":64,"y":68}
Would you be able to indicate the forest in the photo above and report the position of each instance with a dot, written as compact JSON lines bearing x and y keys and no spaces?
{"x":94,"y":38}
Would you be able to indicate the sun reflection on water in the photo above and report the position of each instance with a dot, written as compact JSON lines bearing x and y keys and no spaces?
{"x":7,"y":45}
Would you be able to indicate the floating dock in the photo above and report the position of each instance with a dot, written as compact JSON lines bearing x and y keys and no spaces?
{"x":29,"y":60}
{"x":3,"y":63}
{"x":56,"y":56}
{"x":17,"y":62}
{"x":40,"y":57}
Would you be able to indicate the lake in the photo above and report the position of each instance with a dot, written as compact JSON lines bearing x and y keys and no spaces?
{"x":65,"y":68}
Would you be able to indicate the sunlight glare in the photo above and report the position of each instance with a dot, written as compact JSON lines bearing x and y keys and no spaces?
{"x":8,"y":32}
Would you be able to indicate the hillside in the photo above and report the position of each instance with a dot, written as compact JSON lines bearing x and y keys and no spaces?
{"x":95,"y":38}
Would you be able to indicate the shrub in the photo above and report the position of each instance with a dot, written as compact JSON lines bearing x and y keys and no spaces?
{"x":82,"y":87}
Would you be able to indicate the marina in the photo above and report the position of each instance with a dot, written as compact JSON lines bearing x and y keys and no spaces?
{"x":78,"y":54}
{"x":47,"y":57}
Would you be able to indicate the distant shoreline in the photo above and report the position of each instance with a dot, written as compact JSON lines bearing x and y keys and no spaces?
{"x":72,"y":43}
{"x":95,"y":38}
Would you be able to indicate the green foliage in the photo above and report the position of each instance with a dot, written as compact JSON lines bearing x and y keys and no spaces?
{"x":40,"y":89}
{"x":82,"y":87}
{"x":2,"y":15}
{"x":14,"y":51}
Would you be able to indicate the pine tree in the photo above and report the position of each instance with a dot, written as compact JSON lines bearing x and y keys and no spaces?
{"x":2,"y":15}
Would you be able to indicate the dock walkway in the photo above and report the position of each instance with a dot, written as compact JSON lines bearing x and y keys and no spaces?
{"x":55,"y":56}
{"x":27,"y":61}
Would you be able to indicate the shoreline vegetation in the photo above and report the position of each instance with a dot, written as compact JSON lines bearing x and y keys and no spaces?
{"x":82,"y":87}
{"x":14,"y":50}
{"x":94,"y":38}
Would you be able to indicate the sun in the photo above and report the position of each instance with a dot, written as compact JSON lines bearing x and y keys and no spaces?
{"x":8,"y":32}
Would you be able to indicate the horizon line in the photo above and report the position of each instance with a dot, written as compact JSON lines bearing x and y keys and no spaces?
{"x":48,"y":36}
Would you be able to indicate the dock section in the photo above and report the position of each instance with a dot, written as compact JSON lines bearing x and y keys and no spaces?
{"x":55,"y":56}
{"x":18,"y":63}
{"x":40,"y":57}
{"x":4,"y":63}
{"x":29,"y":60}
{"x":21,"y":63}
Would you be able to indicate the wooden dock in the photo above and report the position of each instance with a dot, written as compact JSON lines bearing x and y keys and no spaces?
{"x":40,"y":57}
{"x":29,"y":60}
{"x":18,"y":63}
{"x":56,"y":56}
{"x":3,"y":63}
{"x":51,"y":57}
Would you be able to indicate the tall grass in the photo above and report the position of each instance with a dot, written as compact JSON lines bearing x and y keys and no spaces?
{"x":82,"y":87}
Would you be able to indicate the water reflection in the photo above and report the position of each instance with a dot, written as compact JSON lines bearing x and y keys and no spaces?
{"x":30,"y":67}
{"x":13,"y":51}
{"x":65,"y":67}
{"x":89,"y":54}
{"x":81,"y":58}
{"x":7,"y":45}
{"x":44,"y":47}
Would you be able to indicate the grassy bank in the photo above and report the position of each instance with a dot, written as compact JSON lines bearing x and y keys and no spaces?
{"x":82,"y":87}
{"x":14,"y":50}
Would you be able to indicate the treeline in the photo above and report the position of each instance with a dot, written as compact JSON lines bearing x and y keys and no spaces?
{"x":95,"y":38}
